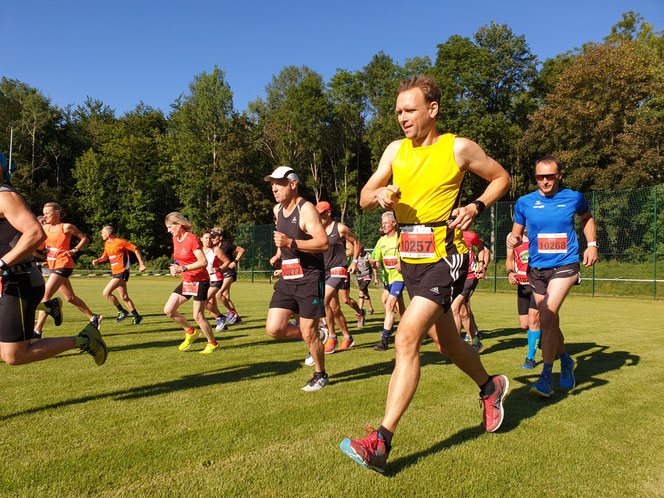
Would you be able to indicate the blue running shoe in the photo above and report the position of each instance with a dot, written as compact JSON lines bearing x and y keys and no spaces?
{"x":567,"y":380}
{"x":542,"y":387}
{"x":231,"y":318}
{"x":528,"y":364}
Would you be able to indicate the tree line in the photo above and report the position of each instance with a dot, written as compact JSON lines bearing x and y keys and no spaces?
{"x":600,"y":108}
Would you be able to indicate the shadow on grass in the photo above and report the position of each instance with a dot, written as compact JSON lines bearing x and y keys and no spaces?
{"x":386,"y":367}
{"x":521,"y":404}
{"x":203,"y":379}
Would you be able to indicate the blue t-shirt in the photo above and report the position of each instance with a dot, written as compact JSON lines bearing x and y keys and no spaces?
{"x":550,"y":225}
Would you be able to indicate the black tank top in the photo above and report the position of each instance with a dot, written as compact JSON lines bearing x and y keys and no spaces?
{"x":8,"y":234}
{"x":312,"y":264}
{"x":335,"y":255}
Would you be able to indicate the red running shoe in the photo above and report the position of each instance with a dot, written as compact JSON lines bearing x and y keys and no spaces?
{"x":369,"y":451}
{"x":493,"y":404}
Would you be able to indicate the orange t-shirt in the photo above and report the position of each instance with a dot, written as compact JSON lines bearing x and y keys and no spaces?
{"x":116,"y":252}
{"x":57,"y":244}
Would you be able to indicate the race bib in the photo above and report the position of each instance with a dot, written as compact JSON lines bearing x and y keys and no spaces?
{"x":190,"y":288}
{"x":417,"y":242}
{"x":291,"y":269}
{"x":552,"y":243}
{"x":522,"y":277}
{"x":113,"y":260}
{"x":390,"y":262}
{"x":52,"y":253}
{"x":339,"y":271}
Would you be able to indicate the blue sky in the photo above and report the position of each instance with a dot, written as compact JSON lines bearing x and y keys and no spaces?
{"x":124,"y":52}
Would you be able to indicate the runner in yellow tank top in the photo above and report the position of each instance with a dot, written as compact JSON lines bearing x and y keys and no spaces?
{"x":428,"y":169}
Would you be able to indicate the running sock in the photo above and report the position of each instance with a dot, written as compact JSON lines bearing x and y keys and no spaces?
{"x":135,"y":313}
{"x":565,"y":359}
{"x":121,"y":309}
{"x":190,"y":331}
{"x":488,"y":388}
{"x":546,"y":371}
{"x":387,"y":436}
{"x":533,"y":339}
{"x":386,"y":334}
{"x":319,"y":375}
{"x":213,"y":343}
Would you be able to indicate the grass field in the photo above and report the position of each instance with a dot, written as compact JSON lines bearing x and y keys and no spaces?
{"x":154,"y":421}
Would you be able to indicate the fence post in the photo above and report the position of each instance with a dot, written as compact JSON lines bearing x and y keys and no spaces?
{"x":494,"y":217}
{"x":593,"y":213}
{"x":654,"y":277}
{"x":253,"y":253}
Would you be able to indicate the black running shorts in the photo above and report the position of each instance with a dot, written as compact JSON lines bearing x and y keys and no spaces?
{"x":124,"y":275}
{"x":469,"y":287}
{"x":526,"y":299}
{"x":305,"y":298}
{"x":364,"y":286}
{"x":539,"y":278}
{"x":230,"y":273}
{"x":21,"y":293}
{"x":201,"y":295}
{"x":438,"y":281}
{"x":339,"y":283}
{"x":62,"y":272}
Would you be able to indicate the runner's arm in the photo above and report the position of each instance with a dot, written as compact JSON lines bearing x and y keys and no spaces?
{"x":471,"y":157}
{"x":239,"y":252}
{"x":345,"y":232}
{"x":225,"y":262}
{"x":373,"y":193}
{"x":141,"y":264}
{"x":514,"y":239}
{"x":83,"y":239}
{"x":17,"y":213}
{"x":510,"y":266}
{"x":201,"y":262}
{"x":483,"y":258}
{"x":590,"y":232}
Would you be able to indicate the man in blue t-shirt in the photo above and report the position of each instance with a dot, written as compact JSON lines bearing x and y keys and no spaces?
{"x":553,"y":265}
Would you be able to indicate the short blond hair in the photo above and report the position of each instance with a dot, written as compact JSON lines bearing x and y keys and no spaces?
{"x":109,"y":229}
{"x":176,"y":218}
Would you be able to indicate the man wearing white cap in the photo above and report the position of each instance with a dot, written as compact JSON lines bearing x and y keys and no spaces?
{"x":300,"y":239}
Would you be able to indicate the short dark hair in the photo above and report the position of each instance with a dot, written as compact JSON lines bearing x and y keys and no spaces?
{"x":549,"y":159}
{"x":427,"y":85}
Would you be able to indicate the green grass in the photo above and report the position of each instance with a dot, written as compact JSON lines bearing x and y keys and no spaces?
{"x":159,"y":422}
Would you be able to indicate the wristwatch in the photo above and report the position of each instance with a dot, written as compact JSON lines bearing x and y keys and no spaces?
{"x":183,"y":269}
{"x":293,"y":244}
{"x":480,"y":206}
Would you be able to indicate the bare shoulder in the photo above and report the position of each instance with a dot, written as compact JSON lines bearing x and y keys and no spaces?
{"x":466,"y":152}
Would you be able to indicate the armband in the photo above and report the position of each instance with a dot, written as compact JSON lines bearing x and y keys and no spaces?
{"x":480,"y":206}
{"x":592,"y":244}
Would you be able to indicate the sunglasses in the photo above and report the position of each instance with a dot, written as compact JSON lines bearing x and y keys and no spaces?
{"x":541,"y":178}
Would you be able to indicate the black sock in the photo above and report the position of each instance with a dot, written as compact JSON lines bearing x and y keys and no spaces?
{"x":319,"y":375}
{"x":488,"y":388}
{"x":135,"y":313}
{"x":387,"y":436}
{"x":120,"y":308}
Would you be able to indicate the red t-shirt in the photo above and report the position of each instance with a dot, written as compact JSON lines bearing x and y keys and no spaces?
{"x":183,"y":253}
{"x":521,"y":254}
{"x":472,"y":240}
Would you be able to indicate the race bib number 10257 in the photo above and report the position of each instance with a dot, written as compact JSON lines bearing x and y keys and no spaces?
{"x":417,"y":242}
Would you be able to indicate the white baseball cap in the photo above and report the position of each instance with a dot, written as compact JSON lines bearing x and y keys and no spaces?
{"x":282,"y":173}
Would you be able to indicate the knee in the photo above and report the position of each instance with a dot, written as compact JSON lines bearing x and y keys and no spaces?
{"x":11,"y":358}
{"x":107,"y":294}
{"x":70,"y":298}
{"x":169,"y":312}
{"x":273,"y":330}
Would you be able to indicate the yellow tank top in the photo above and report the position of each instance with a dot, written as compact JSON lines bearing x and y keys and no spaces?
{"x":430,"y":183}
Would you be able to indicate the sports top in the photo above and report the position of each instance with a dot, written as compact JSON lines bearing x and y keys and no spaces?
{"x":183,"y":253}
{"x":364,"y":267}
{"x":430,"y":184}
{"x":213,"y":262}
{"x":472,"y":240}
{"x":550,"y":225}
{"x":298,"y":266}
{"x":8,"y":234}
{"x":228,"y":248}
{"x":521,"y":254}
{"x":117,"y":252}
{"x":335,"y":256}
{"x":387,"y":252}
{"x":57,"y":244}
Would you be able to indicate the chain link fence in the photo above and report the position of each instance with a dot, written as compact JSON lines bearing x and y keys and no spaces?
{"x":630,"y":238}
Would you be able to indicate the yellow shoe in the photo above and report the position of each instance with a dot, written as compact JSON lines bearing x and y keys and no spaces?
{"x":209,"y":348}
{"x":189,"y":340}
